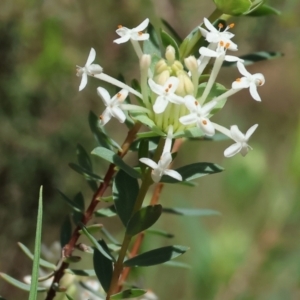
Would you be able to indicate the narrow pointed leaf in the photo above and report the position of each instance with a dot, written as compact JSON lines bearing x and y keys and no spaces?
{"x":167,"y":40}
{"x":65,"y":231}
{"x":155,"y":257}
{"x":88,"y":174}
{"x":125,"y":192}
{"x":106,"y":212}
{"x":193,"y":171}
{"x":78,"y":272}
{"x":191,"y":211}
{"x":113,"y":158}
{"x":177,"y":264}
{"x":131,"y":293}
{"x":43,"y":263}
{"x":78,"y":200}
{"x":109,"y":236}
{"x":173,"y":31}
{"x":264,"y":10}
{"x":69,"y":297}
{"x":159,"y":233}
{"x":143,"y":219}
{"x":92,"y":228}
{"x":19,"y":284}
{"x":103,"y":269}
{"x":83,"y":158}
{"x":99,"y":245}
{"x":70,"y":202}
{"x":37,"y":250}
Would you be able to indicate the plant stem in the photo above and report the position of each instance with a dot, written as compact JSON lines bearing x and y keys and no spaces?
{"x":68,"y":249}
{"x":146,"y":183}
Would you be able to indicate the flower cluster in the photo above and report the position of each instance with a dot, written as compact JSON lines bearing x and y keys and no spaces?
{"x":175,"y":95}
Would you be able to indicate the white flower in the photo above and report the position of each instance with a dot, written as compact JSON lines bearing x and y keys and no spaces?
{"x":89,"y":69}
{"x":215,"y":36}
{"x":199,"y":115}
{"x":113,"y":105}
{"x":135,"y":34}
{"x":241,"y":141}
{"x":161,"y":168}
{"x":219,"y":52}
{"x":165,"y":94}
{"x":249,"y":81}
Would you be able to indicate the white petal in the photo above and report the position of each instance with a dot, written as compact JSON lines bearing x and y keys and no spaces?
{"x":122,"y":39}
{"x":174,"y":174}
{"x":209,"y":25}
{"x":118,"y":114}
{"x":259,"y":79}
{"x":91,"y":57}
{"x":83,"y":81}
{"x":253,"y":92}
{"x":233,"y":150}
{"x":156,"y":175}
{"x":149,"y":162}
{"x":95,"y":69}
{"x":236,"y":134}
{"x":203,"y":31}
{"x":231,"y":58}
{"x":242,"y":69}
{"x":241,"y":83}
{"x":165,"y":160}
{"x":175,"y":99}
{"x":207,"y":107}
{"x":190,"y":103}
{"x":139,"y":37}
{"x":103,"y":93}
{"x":245,"y":149}
{"x":188,"y":119}
{"x":106,"y":116}
{"x":156,"y":88}
{"x":208,"y":128}
{"x":250,"y":131}
{"x":207,"y":52}
{"x":160,"y":105}
{"x":123,"y":31}
{"x":142,"y":26}
{"x":171,"y":84}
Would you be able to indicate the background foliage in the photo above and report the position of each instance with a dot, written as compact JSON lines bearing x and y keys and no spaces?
{"x":252,"y":250}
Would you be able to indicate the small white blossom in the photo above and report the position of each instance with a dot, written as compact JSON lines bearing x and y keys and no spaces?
{"x":249,"y":81}
{"x":241,"y":141}
{"x":215,"y":36}
{"x":161,"y":168}
{"x":199,"y":115}
{"x":89,"y":69}
{"x":135,"y":34}
{"x":166,"y":94}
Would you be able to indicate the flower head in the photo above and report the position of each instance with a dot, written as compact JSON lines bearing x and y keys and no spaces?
{"x":199,"y":115}
{"x":241,"y":141}
{"x":166,"y":94}
{"x":249,"y":81}
{"x":89,"y":69}
{"x":135,"y":34}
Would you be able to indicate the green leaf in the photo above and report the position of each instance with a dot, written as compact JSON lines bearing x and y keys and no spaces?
{"x":65,"y":232}
{"x":103,"y":269}
{"x":143,"y":219}
{"x":264,"y":10}
{"x":83,"y":158}
{"x":116,"y":160}
{"x":125,"y":191}
{"x":89,"y":273}
{"x":37,"y":250}
{"x":155,"y":257}
{"x":233,"y":7}
{"x":143,"y":152}
{"x":92,"y":228}
{"x":106,"y":212}
{"x":177,"y":264}
{"x":190,"y":211}
{"x":78,"y":201}
{"x":70,"y":202}
{"x":193,"y":171}
{"x":85,"y":172}
{"x":153,"y":142}
{"x":99,"y":245}
{"x":69,"y":297}
{"x":43,"y":263}
{"x":252,"y":58}
{"x":19,"y":284}
{"x":174,"y":33}
{"x":109,"y":236}
{"x":131,"y":293}
{"x":159,"y":233}
{"x":167,"y":40}
{"x":91,"y":290}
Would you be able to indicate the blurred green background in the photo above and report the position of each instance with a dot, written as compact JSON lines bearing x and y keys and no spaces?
{"x":252,"y":251}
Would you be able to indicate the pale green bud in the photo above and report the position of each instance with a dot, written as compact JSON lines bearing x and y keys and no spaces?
{"x":162,"y":77}
{"x":177,"y":67}
{"x":185,"y":86}
{"x":145,"y":61}
{"x":191,"y":63}
{"x":160,"y":66}
{"x":170,"y":55}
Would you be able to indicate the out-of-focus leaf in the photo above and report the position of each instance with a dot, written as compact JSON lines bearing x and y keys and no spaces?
{"x":252,"y":58}
{"x":79,"y":272}
{"x":193,"y":171}
{"x":264,"y":10}
{"x":159,"y":233}
{"x":156,"y":256}
{"x":125,"y":191}
{"x":72,"y":259}
{"x":177,"y":264}
{"x":143,"y":152}
{"x":233,"y":7}
{"x":143,"y":219}
{"x":83,"y":158}
{"x":69,"y":297}
{"x":85,"y":172}
{"x":92,"y":228}
{"x":43,"y":263}
{"x":65,"y":231}
{"x":70,"y":202}
{"x":103,"y":269}
{"x":190,"y":211}
{"x":131,"y":293}
{"x":19,"y":284}
{"x":78,"y":200}
{"x":91,"y":290}
{"x":143,"y":118}
{"x":153,"y":142}
{"x":174,"y":33}
{"x":99,"y":245}
{"x":106,"y":212}
{"x":37,"y":250}
{"x":109,"y":236}
{"x":115,"y":159}
{"x":167,"y":40}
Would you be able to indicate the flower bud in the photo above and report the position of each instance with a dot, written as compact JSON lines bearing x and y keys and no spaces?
{"x":145,"y":61}
{"x":185,"y":86}
{"x":170,"y":54}
{"x":160,"y":66}
{"x":177,"y":66}
{"x":191,"y":63}
{"x":162,"y":77}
